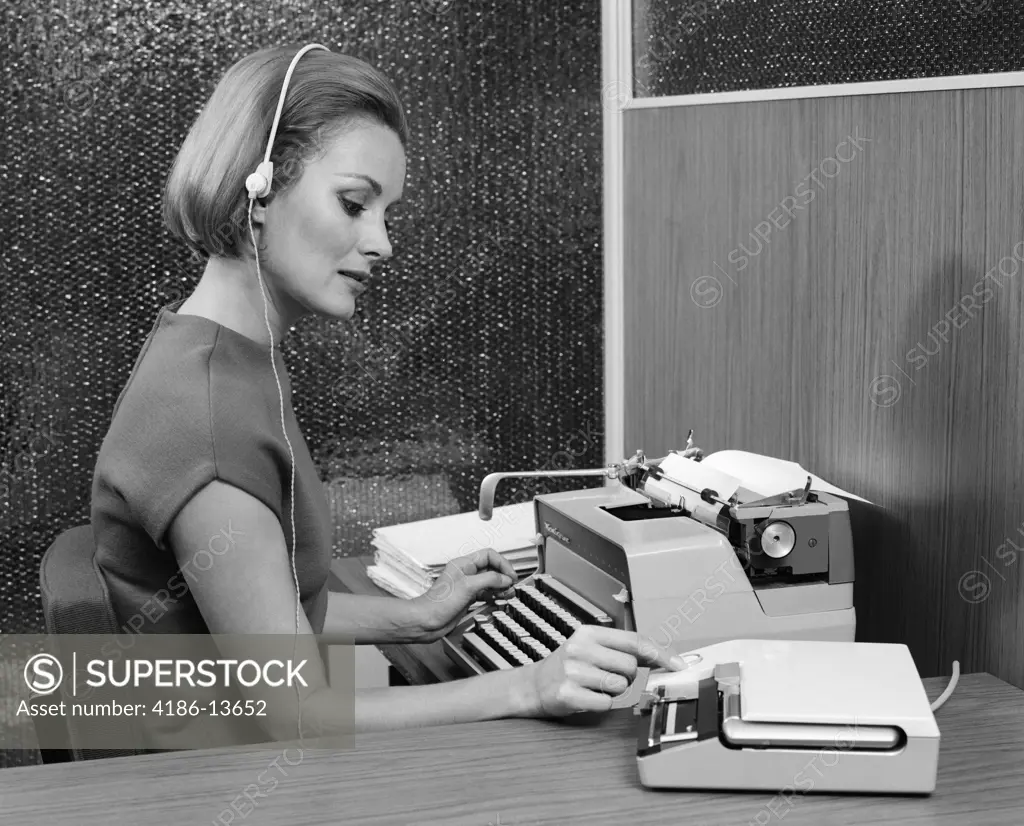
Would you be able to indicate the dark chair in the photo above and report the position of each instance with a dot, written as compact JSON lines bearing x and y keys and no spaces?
{"x":76,"y":601}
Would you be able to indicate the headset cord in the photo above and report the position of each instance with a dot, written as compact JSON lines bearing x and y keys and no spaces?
{"x":291,"y":454}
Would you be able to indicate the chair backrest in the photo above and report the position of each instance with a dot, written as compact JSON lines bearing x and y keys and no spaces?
{"x":76,"y":600}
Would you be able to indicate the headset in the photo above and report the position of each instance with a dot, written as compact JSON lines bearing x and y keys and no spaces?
{"x":259,"y":185}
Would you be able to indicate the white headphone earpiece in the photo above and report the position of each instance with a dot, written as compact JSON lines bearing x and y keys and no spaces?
{"x":259,"y":185}
{"x":259,"y":182}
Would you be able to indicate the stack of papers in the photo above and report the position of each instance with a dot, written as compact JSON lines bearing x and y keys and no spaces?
{"x":409,"y":557}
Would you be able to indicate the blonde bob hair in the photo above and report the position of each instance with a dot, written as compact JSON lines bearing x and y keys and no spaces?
{"x":205,"y":202}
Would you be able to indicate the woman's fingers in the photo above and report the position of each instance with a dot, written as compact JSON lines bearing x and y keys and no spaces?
{"x":577,"y":698}
{"x":486,"y":559}
{"x":629,"y":642}
{"x":567,"y":685}
{"x":606,"y":659}
{"x":589,"y":676}
{"x":488,"y":581}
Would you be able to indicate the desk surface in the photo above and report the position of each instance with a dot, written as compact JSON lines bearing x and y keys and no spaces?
{"x":513,"y":773}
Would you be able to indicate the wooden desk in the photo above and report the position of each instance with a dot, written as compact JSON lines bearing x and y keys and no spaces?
{"x":516,"y":773}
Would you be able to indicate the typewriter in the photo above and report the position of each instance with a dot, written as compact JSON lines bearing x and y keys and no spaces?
{"x":788,"y":717}
{"x":675,"y":550}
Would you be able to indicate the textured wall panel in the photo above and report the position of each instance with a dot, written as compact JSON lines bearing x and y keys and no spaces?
{"x":481,"y":352}
{"x":689,"y":47}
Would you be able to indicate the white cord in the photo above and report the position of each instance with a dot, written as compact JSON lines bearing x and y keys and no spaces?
{"x":945,"y":695}
{"x":257,"y":184}
{"x":284,"y":91}
{"x":291,"y":454}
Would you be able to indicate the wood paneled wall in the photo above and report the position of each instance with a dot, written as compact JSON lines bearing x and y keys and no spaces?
{"x":836,"y":282}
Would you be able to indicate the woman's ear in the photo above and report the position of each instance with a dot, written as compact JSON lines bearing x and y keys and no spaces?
{"x":259,"y":213}
{"x":252,"y":224}
{"x":259,"y":219}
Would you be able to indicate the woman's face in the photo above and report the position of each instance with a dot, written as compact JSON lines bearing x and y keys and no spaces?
{"x":321,"y":238}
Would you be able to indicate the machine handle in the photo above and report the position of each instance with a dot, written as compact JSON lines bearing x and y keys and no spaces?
{"x":490,"y":483}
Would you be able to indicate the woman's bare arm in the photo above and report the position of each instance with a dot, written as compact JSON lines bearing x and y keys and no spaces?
{"x":371,"y":620}
{"x":249,"y":590}
{"x":248,"y":594}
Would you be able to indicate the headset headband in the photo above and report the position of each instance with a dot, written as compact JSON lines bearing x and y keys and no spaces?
{"x":258,"y":184}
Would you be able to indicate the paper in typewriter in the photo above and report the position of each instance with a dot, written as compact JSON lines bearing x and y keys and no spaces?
{"x":767,"y":476}
{"x":698,"y":476}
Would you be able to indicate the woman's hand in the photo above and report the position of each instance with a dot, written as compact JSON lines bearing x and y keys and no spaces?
{"x":484,"y":575}
{"x":589,"y":670}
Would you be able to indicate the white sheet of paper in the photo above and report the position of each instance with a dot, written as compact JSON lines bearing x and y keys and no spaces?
{"x":394,"y":583}
{"x":698,"y":476}
{"x":767,"y":476}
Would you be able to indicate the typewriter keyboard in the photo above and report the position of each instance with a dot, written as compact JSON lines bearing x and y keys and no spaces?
{"x":542,"y":615}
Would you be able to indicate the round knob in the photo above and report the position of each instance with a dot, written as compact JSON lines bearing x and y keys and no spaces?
{"x":778,"y":540}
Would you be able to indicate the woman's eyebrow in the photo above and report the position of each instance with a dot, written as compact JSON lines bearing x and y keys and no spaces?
{"x":376,"y":187}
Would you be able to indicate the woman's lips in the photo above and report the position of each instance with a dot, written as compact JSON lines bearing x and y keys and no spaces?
{"x":357,"y":281}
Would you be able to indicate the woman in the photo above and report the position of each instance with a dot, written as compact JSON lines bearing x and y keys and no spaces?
{"x":195,"y":507}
